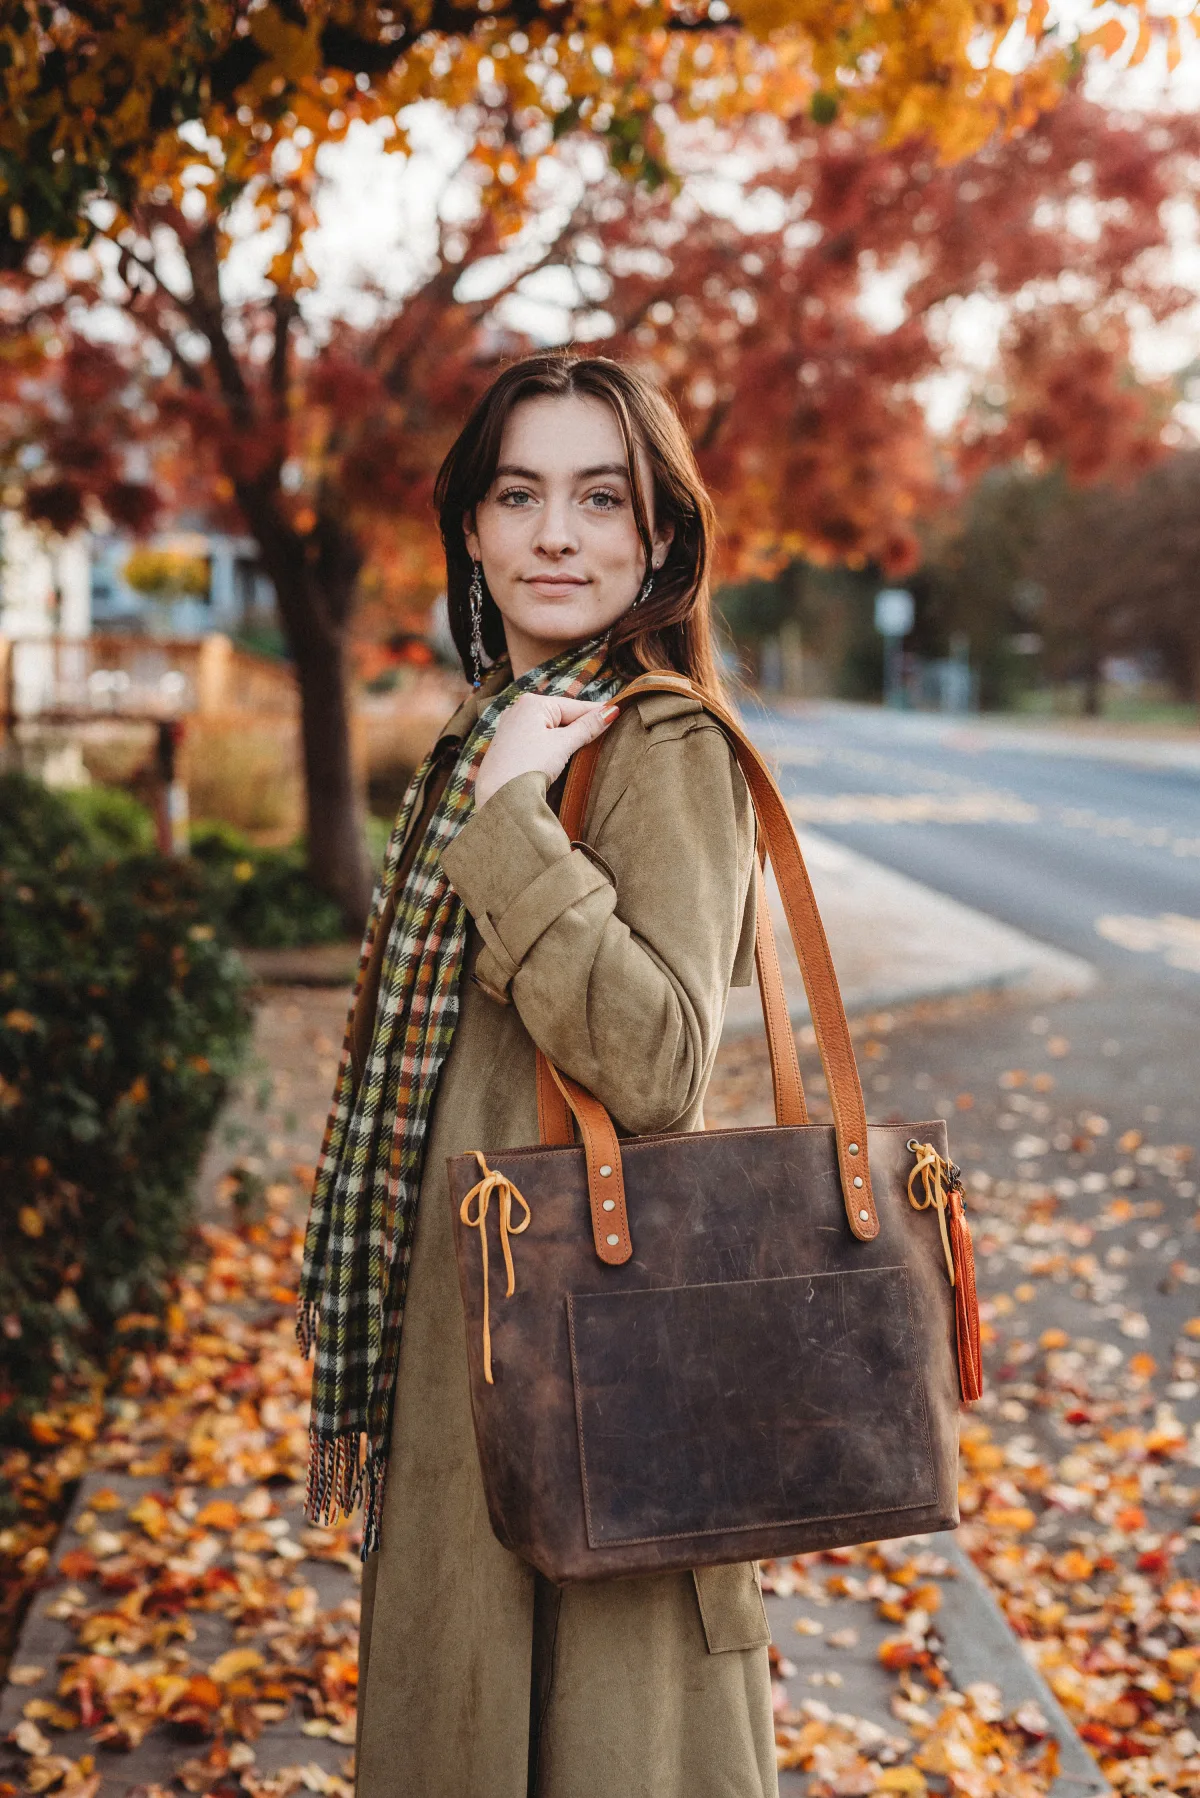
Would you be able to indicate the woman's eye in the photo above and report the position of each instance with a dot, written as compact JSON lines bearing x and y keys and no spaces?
{"x":513,"y":496}
{"x":605,"y":500}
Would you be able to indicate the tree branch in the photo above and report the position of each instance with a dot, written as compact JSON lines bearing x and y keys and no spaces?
{"x":283,"y":310}
{"x":200,"y":250}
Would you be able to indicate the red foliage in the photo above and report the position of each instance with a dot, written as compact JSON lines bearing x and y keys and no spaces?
{"x":797,"y":336}
{"x":67,"y":415}
{"x":809,"y":416}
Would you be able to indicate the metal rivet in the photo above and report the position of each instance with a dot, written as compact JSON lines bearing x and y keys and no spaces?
{"x":864,"y":1215}
{"x":612,"y":1241}
{"x":605,"y":1171}
{"x":858,"y":1179}
{"x":853,"y":1148}
{"x":610,"y":1204}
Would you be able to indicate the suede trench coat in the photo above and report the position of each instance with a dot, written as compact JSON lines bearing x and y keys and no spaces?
{"x":478,"y":1678}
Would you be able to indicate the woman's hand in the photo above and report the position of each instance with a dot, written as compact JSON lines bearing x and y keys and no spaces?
{"x":539,"y":734}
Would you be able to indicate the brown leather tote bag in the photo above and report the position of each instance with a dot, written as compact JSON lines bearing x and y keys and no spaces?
{"x":726,"y":1345}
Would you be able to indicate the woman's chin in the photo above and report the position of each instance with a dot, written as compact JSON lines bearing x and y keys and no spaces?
{"x":556,"y":625}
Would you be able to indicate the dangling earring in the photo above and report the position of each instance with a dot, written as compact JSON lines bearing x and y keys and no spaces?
{"x":475,"y":597}
{"x":647,"y":585}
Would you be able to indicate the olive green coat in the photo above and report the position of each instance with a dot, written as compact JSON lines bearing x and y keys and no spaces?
{"x":478,"y":1678}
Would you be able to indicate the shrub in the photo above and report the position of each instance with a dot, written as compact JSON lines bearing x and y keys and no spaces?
{"x":263,"y":896}
{"x":123,"y":1015}
{"x":113,"y":822}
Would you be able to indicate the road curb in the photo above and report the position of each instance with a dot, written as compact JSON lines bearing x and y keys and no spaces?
{"x":309,"y":964}
{"x":980,"y":1645}
{"x":895,"y":941}
{"x":834,"y":1667}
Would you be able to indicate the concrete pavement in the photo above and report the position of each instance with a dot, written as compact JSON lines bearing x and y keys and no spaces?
{"x":895,"y":940}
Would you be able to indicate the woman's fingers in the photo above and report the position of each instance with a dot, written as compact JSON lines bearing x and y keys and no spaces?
{"x":539,"y":734}
{"x":582,"y":729}
{"x":560,"y":710}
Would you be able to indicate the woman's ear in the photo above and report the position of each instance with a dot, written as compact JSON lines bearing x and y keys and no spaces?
{"x":664,"y":536}
{"x":469,"y":536}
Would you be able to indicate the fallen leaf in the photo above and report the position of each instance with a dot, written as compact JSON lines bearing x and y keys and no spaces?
{"x":29,"y":1738}
{"x":235,"y":1663}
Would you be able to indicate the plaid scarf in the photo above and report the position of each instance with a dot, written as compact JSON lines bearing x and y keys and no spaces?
{"x":361,"y":1222}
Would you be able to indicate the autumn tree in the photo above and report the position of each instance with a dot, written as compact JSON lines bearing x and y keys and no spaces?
{"x":309,"y":441}
{"x":92,"y":100}
{"x":1118,"y":573}
{"x":806,"y":410}
{"x":805,"y":396}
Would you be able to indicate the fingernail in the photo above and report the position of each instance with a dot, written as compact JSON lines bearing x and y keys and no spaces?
{"x":610,"y":712}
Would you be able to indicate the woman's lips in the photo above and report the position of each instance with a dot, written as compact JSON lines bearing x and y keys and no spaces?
{"x":555,"y":583}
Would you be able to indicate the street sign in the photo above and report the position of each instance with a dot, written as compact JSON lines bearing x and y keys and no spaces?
{"x":894,"y":612}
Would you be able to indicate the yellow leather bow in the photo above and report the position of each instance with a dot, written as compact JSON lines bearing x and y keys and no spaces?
{"x":932,"y":1169}
{"x":493,"y":1182}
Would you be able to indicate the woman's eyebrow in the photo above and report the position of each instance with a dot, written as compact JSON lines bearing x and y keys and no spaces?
{"x":510,"y":470}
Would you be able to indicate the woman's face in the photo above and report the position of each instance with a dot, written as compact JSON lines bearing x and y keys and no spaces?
{"x":555,"y":531}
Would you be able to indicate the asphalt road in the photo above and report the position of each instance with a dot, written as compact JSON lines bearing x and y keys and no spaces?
{"x":1091,"y":848}
{"x":1076,"y":1121}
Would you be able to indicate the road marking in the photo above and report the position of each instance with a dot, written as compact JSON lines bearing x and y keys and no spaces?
{"x":956,"y":800}
{"x":1143,"y":836}
{"x":912,"y":808}
{"x":1174,"y":937}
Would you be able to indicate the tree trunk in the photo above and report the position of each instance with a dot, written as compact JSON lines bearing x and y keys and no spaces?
{"x":1093,"y":689}
{"x":337,"y":857}
{"x":315,"y":580}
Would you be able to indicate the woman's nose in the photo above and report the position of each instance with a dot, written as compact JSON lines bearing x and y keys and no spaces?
{"x":555,"y":534}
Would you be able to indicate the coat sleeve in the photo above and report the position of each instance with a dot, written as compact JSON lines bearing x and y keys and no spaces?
{"x":618,"y":955}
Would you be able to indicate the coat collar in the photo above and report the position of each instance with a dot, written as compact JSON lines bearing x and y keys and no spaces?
{"x":467,"y":716}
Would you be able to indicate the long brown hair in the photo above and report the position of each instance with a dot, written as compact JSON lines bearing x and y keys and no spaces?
{"x":672,"y":628}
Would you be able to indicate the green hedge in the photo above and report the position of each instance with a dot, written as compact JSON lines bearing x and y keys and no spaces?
{"x":123,"y":1015}
{"x":263,"y":897}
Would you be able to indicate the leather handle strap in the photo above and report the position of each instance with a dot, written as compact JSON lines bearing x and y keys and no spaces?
{"x":555,"y":1114}
{"x":812,"y":951}
{"x":790,"y":1107}
{"x":606,"y":1176}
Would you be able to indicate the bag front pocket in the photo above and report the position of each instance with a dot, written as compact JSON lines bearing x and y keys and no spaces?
{"x":816,"y":1377}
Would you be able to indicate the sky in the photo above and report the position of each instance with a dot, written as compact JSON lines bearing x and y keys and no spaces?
{"x":377,"y":215}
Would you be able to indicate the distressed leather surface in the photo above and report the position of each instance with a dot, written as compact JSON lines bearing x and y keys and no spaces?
{"x":851,"y":1438}
{"x":842,"y":1421}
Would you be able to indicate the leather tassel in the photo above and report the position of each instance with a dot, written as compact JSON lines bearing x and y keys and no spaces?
{"x":966,"y":1303}
{"x":940,"y":1191}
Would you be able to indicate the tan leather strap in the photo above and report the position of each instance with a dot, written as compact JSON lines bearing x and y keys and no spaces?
{"x":790,"y":1107}
{"x":606,"y":1176}
{"x":812,"y":952}
{"x":554,"y":1115}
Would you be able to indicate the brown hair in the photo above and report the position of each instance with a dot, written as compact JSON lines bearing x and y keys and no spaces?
{"x":672,"y":629}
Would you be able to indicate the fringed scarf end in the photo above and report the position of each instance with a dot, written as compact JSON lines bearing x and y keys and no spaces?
{"x":335,"y":1477}
{"x":339,"y":1478}
{"x":374,"y":1469}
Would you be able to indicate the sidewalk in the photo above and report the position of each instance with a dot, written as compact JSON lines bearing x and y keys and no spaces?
{"x":194,"y":1634}
{"x":895,"y":941}
{"x":894,"y":1665}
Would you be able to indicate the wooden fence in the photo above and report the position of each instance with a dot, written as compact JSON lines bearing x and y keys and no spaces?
{"x":62,"y":680}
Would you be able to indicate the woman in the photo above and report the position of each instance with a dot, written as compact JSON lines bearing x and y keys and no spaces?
{"x":577,"y":535}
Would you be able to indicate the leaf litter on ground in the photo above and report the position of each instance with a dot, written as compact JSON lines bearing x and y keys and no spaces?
{"x":1084,"y":1548}
{"x":204,"y":1437}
